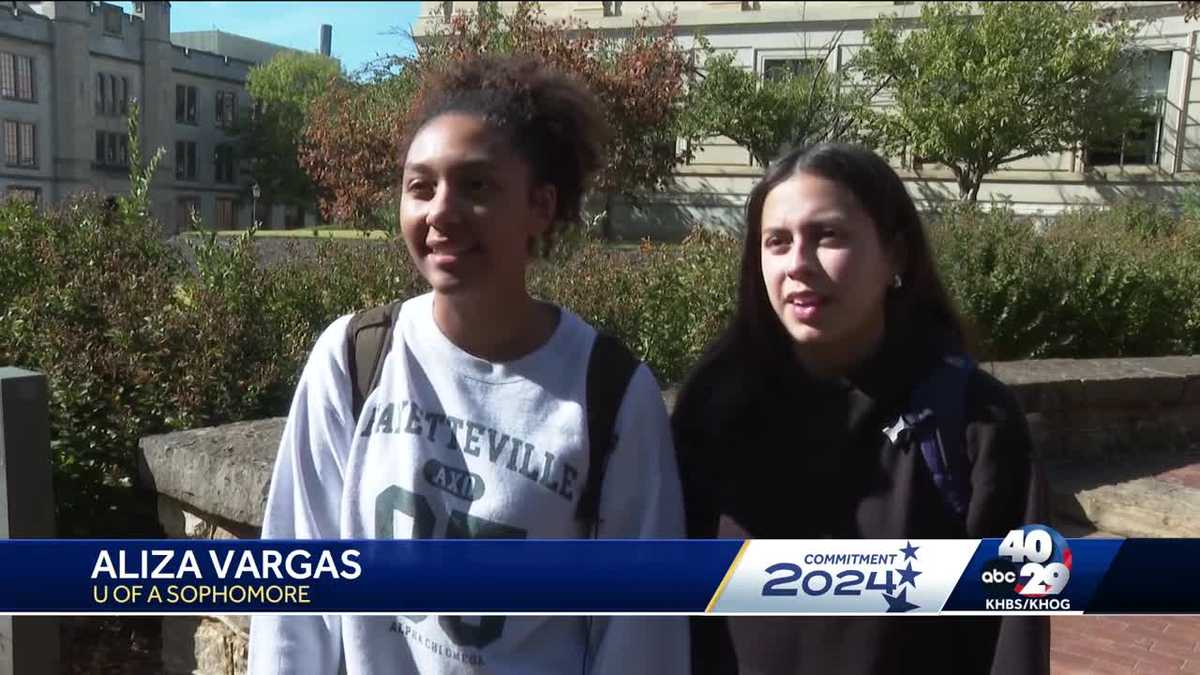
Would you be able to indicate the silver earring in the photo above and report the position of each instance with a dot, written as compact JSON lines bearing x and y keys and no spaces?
{"x":897,"y":282}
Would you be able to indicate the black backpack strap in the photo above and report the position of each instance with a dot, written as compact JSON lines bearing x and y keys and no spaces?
{"x":610,"y":369}
{"x":368,"y":340}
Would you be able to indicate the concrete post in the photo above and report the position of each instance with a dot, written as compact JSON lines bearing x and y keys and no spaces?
{"x":27,"y":644}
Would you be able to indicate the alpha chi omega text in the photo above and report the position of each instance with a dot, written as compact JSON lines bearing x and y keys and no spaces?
{"x":1033,"y":570}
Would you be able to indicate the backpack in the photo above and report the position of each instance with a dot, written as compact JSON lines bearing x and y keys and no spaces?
{"x":610,"y":369}
{"x":936,"y":421}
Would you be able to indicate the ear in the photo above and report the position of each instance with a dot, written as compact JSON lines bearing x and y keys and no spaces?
{"x":897,"y":253}
{"x":543,"y":201}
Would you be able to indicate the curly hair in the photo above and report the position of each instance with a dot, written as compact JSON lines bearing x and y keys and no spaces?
{"x":551,"y":119}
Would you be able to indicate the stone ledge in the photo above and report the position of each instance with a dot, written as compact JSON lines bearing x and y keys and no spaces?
{"x":1156,"y":495}
{"x":223,"y":472}
{"x":1097,"y":411}
{"x":1055,"y":384}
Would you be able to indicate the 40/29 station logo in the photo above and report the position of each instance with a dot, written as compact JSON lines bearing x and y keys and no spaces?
{"x":1030,"y":572}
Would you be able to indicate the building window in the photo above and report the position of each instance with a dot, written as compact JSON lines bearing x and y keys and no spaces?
{"x":223,"y":158}
{"x":293,"y":217}
{"x":185,"y":207}
{"x":112,"y":94}
{"x":612,"y":8}
{"x":24,"y":193}
{"x":225,"y":211}
{"x":112,"y":149}
{"x":226,"y":109}
{"x":1141,"y":145}
{"x":185,"y":160}
{"x":112,"y":19}
{"x":19,"y":148}
{"x":185,"y":104}
{"x":16,"y":77}
{"x":781,"y":69}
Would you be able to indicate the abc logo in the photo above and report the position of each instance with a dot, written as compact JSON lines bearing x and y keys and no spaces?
{"x":999,"y":576}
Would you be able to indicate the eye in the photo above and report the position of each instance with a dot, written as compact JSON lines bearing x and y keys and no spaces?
{"x":479,"y":184}
{"x":419,"y":188}
{"x":774,"y":240}
{"x":830,"y":234}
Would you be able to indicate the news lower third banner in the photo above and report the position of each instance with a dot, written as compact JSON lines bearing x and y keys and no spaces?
{"x":1033,"y":570}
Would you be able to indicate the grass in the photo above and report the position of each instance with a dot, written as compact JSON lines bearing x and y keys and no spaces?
{"x":330,"y":232}
{"x":307,"y":234}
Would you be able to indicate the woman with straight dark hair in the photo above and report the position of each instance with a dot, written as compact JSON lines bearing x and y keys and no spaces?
{"x":788,"y":427}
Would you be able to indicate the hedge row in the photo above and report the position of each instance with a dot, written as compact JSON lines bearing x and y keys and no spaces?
{"x":137,"y":339}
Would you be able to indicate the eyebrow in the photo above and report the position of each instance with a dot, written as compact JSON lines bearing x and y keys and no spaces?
{"x":471,"y":164}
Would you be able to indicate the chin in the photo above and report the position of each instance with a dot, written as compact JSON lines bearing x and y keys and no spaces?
{"x":804,"y":334}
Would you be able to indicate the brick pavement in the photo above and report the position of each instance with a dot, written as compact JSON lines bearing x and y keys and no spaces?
{"x":1124,"y":644}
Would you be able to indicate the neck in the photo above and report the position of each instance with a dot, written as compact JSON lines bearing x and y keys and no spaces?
{"x":494,"y":329}
{"x":841,"y":359}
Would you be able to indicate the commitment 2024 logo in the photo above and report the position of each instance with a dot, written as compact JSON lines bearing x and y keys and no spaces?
{"x":1030,"y":573}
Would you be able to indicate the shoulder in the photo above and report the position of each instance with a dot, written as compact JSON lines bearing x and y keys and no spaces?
{"x":990,"y":400}
{"x":997,"y":434}
{"x":716,"y":397}
{"x":330,"y":346}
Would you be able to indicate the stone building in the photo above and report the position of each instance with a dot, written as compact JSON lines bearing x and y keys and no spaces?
{"x":1157,"y":161}
{"x":68,"y":74}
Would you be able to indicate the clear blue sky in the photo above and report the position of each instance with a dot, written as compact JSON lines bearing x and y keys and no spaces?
{"x":360,"y":29}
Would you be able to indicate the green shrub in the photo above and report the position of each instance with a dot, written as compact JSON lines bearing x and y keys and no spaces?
{"x":666,"y":302}
{"x":1097,"y":283}
{"x":136,"y":341}
{"x":85,"y":300}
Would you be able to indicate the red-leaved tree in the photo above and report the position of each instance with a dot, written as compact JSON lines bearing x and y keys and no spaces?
{"x":640,"y":79}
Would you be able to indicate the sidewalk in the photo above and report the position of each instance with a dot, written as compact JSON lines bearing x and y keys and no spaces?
{"x":1159,"y":500}
{"x":1124,"y":644}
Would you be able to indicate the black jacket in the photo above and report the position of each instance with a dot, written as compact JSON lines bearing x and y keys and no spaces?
{"x":789,"y":456}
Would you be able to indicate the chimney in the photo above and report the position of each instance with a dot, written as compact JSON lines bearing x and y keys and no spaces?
{"x":326,"y":38}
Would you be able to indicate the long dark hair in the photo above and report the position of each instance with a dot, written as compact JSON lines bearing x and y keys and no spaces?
{"x":920,"y":307}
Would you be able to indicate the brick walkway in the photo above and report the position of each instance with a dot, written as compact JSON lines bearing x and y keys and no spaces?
{"x":1128,"y":644}
{"x":1125,"y":644}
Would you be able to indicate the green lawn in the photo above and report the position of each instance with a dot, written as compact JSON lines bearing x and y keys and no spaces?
{"x":321,"y":233}
{"x":332,"y":232}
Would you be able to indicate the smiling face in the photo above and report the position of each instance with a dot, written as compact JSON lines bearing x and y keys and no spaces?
{"x":826,"y":271}
{"x":469,"y":208}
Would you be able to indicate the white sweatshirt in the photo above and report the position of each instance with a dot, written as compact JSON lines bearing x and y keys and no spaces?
{"x":518,"y":431}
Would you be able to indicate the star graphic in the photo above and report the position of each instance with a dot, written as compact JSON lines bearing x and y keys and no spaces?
{"x":910,"y":551}
{"x":908,"y":575}
{"x":899,"y":603}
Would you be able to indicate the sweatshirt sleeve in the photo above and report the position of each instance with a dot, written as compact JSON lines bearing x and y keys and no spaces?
{"x":1008,"y":490}
{"x":304,"y":503}
{"x":640,"y":499}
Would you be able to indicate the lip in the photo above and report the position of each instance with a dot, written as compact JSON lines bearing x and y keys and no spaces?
{"x":444,"y":253}
{"x":805,"y":306}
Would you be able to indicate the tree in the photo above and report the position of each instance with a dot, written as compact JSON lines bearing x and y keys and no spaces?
{"x":349,"y":147}
{"x":766,"y":114}
{"x":282,"y":90}
{"x":1018,"y":80}
{"x":639,"y":79}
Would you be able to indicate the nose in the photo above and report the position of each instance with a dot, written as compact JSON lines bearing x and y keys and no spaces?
{"x":444,"y":212}
{"x":802,"y":260}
